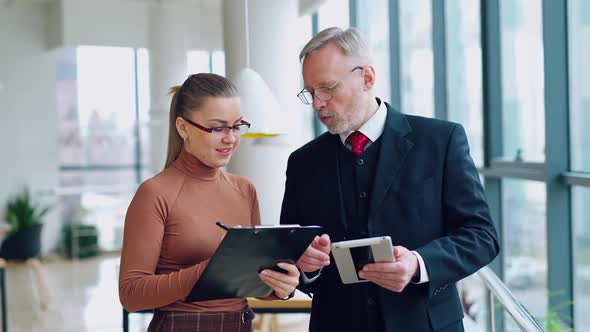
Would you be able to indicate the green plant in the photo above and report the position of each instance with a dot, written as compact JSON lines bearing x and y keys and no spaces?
{"x":553,"y":322}
{"x":22,"y":212}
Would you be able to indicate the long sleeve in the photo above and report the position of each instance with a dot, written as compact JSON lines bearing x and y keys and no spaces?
{"x":471,"y":240}
{"x":289,"y":216}
{"x":139,"y":287}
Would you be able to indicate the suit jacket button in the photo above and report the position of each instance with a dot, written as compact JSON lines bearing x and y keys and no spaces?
{"x":363,"y":195}
{"x":360,"y":162}
{"x":371,"y":302}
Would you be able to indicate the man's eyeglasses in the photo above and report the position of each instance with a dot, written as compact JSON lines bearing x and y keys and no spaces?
{"x":324,"y":94}
{"x":222,"y":131}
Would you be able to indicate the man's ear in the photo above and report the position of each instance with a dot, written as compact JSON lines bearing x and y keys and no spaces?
{"x":181,"y":128}
{"x":368,"y":77}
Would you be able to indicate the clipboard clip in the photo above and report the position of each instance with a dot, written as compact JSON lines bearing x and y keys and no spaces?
{"x":220,"y":224}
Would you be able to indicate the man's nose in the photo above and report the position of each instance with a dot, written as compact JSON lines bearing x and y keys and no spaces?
{"x":318,"y":103}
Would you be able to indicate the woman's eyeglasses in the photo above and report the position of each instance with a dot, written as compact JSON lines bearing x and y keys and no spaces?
{"x":222,"y":131}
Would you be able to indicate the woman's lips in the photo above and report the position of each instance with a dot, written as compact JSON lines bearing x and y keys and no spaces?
{"x":224,"y":151}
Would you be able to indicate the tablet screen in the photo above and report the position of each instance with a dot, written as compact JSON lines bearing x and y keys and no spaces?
{"x":361,"y":256}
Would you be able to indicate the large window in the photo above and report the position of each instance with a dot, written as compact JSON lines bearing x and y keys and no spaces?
{"x":523,"y":104}
{"x":103,"y":100}
{"x":579,"y":52}
{"x":464,"y":85}
{"x":525,"y":244}
{"x":417,"y":81}
{"x":333,"y":13}
{"x":199,"y":61}
{"x":373,"y":20}
{"x":581,"y":240}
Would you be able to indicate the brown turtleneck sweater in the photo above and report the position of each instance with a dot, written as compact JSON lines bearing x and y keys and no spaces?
{"x":170,"y":234}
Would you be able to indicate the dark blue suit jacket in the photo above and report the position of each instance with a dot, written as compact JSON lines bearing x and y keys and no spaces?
{"x":426,"y":196}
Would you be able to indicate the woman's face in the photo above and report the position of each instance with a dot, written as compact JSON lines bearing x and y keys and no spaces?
{"x":216,"y":148}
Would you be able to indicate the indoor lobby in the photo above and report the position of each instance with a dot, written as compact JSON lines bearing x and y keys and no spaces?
{"x":84,"y":120}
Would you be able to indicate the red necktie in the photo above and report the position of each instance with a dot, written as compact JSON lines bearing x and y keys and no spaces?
{"x":357,"y":141}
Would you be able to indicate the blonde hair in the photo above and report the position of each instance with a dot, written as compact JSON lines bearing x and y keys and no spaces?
{"x":351,"y":41}
{"x":189,"y":97}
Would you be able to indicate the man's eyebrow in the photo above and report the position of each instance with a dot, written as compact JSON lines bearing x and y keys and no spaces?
{"x":323,"y":84}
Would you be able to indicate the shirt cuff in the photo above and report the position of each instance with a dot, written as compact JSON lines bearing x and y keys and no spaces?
{"x":423,"y":272}
{"x":308,"y":280}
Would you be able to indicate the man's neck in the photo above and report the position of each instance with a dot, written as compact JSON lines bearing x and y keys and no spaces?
{"x":370,"y":109}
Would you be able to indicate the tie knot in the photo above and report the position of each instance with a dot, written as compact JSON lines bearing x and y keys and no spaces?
{"x":357,"y":141}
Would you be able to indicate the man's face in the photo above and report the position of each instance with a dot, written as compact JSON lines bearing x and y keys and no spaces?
{"x":326,"y":67}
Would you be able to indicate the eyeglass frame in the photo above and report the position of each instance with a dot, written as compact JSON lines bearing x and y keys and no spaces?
{"x":211,"y":129}
{"x":328,"y":89}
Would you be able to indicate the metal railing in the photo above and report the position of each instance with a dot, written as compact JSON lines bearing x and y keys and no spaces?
{"x":497,"y":290}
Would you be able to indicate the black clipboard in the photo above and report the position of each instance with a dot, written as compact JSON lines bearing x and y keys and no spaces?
{"x":233,"y":270}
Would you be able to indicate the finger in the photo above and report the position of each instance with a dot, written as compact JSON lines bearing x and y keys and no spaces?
{"x":316,"y":253}
{"x":324,"y":240}
{"x":382,"y":267}
{"x":375,"y":276}
{"x":281,"y":282}
{"x":280,"y":289}
{"x":282,"y":277}
{"x":314,"y":261}
{"x":292,"y":270}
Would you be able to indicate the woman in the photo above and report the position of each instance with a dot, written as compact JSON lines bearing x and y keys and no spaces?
{"x":170,"y":231}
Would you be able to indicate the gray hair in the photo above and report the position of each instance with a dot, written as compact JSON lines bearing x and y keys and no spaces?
{"x":351,"y":41}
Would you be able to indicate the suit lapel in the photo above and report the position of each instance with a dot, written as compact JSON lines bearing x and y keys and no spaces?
{"x":393,"y":151}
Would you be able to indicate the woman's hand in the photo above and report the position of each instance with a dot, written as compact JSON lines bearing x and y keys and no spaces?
{"x":283,"y":284}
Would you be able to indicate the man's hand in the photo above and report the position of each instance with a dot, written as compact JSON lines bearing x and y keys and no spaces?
{"x":394,"y":276}
{"x":316,"y":256}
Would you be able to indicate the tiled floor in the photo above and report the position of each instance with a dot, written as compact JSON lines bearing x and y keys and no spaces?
{"x":83,"y":296}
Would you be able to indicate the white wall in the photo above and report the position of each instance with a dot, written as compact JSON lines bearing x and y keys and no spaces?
{"x":28,"y":132}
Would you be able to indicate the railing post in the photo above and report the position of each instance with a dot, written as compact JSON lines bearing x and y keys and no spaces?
{"x":491,"y":311}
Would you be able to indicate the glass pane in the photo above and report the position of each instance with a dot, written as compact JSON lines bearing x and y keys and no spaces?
{"x":218,"y":62}
{"x":106,"y":105}
{"x":69,"y":138}
{"x":523,"y":105}
{"x":373,"y":20}
{"x":333,"y":13}
{"x":525,"y":245}
{"x":198,"y":62}
{"x":581,"y":233}
{"x":98,"y":198}
{"x":464,"y":85}
{"x":579,"y":53}
{"x":416,"y":57}
{"x":143,"y":90}
{"x":474,"y":297}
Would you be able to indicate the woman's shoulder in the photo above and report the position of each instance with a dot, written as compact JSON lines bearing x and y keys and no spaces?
{"x":241,"y":184}
{"x":165,"y":184}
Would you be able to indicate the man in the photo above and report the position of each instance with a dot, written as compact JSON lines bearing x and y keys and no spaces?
{"x":378,"y":172}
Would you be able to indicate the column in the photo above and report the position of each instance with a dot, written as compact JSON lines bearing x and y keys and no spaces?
{"x":271,"y":35}
{"x":167,"y":68}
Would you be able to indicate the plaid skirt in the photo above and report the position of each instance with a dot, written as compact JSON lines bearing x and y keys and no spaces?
{"x":168,"y":321}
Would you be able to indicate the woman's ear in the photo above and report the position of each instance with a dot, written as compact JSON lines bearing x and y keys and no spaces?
{"x":368,"y":77}
{"x":181,"y":128}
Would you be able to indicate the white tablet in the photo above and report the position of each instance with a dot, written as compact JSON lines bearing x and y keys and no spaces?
{"x":351,"y":256}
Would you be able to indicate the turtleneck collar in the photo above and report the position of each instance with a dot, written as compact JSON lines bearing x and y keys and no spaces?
{"x":193,"y":167}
